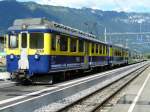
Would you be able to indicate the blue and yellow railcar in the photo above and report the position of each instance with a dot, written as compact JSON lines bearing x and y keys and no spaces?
{"x":118,"y":55}
{"x":37,"y":46}
{"x":99,"y":55}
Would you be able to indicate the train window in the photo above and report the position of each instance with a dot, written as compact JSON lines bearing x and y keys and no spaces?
{"x":81,"y":45}
{"x":103,"y":49}
{"x":36,"y":40}
{"x":86,"y":47}
{"x":116,"y":52}
{"x":53,"y":41}
{"x":24,"y":40}
{"x":93,"y":47}
{"x":13,"y":41}
{"x":63,"y":43}
{"x":100,"y":49}
{"x":106,"y":50}
{"x":96,"y":48}
{"x":73,"y":45}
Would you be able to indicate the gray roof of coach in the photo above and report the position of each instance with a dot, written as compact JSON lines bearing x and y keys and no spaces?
{"x":42,"y":23}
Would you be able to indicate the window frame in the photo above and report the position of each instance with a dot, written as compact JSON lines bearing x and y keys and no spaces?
{"x":34,"y":37}
{"x":100,"y":49}
{"x":93,"y":48}
{"x":103,"y":49}
{"x":66,"y":47}
{"x":22,"y":43}
{"x":81,"y":50}
{"x":17,"y":40}
{"x":97,"y":48}
{"x":53,"y":36}
{"x":72,"y":39}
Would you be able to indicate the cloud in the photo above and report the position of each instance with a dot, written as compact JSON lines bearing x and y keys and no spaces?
{"x":118,"y":5}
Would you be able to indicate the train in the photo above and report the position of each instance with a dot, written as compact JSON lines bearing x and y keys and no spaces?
{"x":37,"y":46}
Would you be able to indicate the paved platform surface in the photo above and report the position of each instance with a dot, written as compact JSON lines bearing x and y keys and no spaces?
{"x":136,"y":97}
{"x":4,"y":75}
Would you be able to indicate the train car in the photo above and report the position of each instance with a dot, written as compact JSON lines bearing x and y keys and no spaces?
{"x":36,"y":46}
{"x":98,"y":55}
{"x":118,"y":55}
{"x":135,"y":57}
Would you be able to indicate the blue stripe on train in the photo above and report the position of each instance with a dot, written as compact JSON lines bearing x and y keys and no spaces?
{"x":99,"y":60}
{"x":36,"y":66}
{"x":66,"y":62}
{"x":48,"y":63}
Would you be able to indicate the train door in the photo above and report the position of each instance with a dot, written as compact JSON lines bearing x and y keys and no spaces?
{"x":86,"y":57}
{"x":23,"y":62}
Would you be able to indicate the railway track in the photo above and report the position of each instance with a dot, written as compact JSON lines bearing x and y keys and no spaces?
{"x":32,"y":98}
{"x":95,"y":101}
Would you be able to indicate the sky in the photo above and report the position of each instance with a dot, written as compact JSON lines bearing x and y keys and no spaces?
{"x":117,"y":5}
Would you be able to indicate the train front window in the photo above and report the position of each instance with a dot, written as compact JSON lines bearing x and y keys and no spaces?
{"x":13,"y":41}
{"x":36,"y":40}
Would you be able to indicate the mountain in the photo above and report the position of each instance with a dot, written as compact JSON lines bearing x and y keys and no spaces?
{"x":86,"y":19}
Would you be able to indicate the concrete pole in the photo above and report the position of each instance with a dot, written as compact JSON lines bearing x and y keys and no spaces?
{"x":141,"y":30}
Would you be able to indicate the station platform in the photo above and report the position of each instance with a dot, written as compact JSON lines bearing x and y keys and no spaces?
{"x":136,"y":97}
{"x":4,"y":75}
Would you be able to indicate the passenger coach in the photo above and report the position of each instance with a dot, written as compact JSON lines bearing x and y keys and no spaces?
{"x":37,"y":46}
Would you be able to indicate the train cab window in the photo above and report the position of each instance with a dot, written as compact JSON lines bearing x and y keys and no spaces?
{"x":36,"y":40}
{"x":93,"y":47}
{"x":81,"y":46}
{"x":73,"y":45}
{"x":53,"y":42}
{"x":13,"y":41}
{"x":97,"y":48}
{"x":63,"y":43}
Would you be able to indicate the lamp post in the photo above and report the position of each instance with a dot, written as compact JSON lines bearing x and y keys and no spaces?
{"x":94,"y":27}
{"x":140,"y":30}
{"x":140,"y":23}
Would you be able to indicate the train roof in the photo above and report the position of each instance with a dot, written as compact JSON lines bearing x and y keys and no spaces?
{"x":44,"y":24}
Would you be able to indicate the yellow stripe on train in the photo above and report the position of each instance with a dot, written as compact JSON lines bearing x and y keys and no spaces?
{"x":47,"y":50}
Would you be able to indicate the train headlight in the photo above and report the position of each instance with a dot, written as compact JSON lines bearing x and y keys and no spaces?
{"x":37,"y":56}
{"x":11,"y":56}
